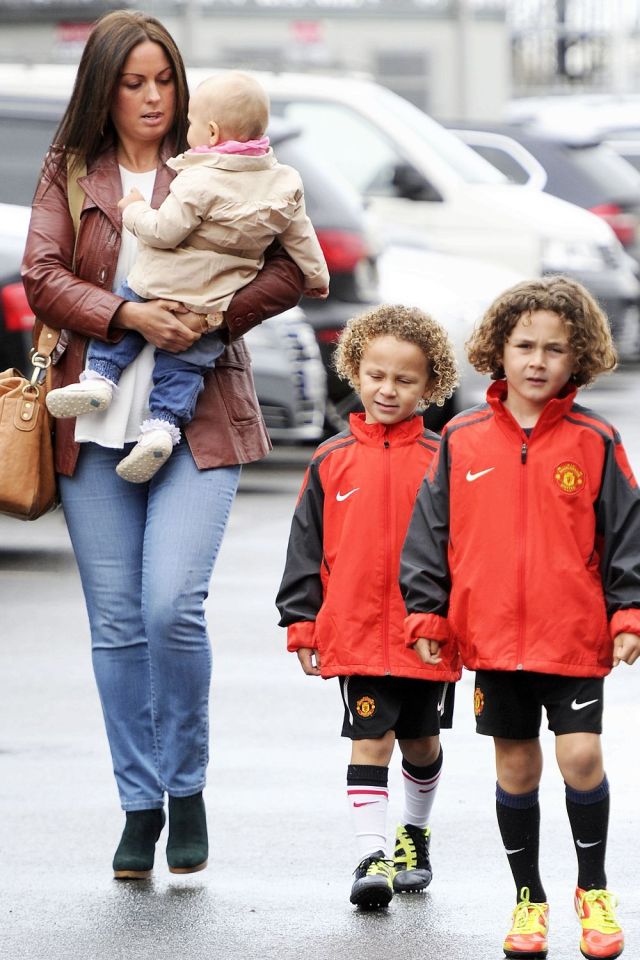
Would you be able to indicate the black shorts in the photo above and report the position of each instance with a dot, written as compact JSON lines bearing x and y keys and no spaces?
{"x":411,"y":708}
{"x":509,"y":705}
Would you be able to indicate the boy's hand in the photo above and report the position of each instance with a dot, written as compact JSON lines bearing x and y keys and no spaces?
{"x":428,"y":650}
{"x":318,"y":293}
{"x":309,"y":661}
{"x":133,"y":195}
{"x":626,"y":647}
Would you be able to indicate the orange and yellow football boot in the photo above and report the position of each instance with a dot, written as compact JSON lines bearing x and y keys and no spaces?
{"x":528,"y":935}
{"x":602,"y":937}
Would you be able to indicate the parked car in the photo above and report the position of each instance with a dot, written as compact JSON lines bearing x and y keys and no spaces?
{"x":578,"y":167}
{"x":614,"y":118}
{"x":416,"y":175}
{"x":587,"y":172}
{"x":335,"y":209}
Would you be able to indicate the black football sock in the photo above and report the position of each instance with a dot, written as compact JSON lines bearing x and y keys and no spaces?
{"x":589,"y":818}
{"x":519,"y":823}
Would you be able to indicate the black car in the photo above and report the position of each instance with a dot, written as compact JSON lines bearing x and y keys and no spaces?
{"x":337,"y":214}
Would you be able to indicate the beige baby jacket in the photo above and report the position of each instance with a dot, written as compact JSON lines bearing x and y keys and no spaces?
{"x":208,"y":237}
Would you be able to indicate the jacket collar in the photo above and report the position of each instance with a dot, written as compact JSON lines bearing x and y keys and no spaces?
{"x":375,"y":434}
{"x":554,"y":411}
{"x":102,"y":184}
{"x":223,"y":161}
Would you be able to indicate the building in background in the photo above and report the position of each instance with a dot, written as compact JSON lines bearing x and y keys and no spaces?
{"x":449,"y":57}
{"x":564,"y":46}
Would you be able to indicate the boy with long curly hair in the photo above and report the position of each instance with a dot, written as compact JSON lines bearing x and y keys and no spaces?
{"x":523,"y":551}
{"x":340,"y":600}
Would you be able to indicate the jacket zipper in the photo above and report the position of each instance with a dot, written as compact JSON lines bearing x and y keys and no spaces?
{"x":524,"y":449}
{"x":386,"y":462}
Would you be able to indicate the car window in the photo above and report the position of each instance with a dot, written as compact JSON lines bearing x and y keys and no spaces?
{"x":464,"y":160}
{"x":29,"y":140}
{"x":349,"y":142}
{"x":504,"y":162}
{"x":628,"y":150}
{"x":616,"y":178}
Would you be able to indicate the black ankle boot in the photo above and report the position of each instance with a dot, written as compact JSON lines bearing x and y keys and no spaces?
{"x":133,"y":859}
{"x":188,"y":845}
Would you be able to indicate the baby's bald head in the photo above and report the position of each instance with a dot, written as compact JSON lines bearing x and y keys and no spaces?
{"x":236,"y":103}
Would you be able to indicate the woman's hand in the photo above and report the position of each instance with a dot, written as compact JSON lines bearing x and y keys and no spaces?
{"x":164,"y":323}
{"x":317,"y":293}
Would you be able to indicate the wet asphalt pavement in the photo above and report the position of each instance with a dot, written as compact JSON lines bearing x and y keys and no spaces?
{"x":279,"y":874}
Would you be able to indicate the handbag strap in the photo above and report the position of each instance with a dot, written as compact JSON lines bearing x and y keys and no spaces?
{"x":75,"y":196}
{"x":46,"y":338}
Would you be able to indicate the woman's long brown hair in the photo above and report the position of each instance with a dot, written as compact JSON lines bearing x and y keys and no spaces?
{"x":86,"y":129}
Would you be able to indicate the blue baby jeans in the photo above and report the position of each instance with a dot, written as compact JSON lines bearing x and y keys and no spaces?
{"x":177,"y":377}
{"x":146,"y":553}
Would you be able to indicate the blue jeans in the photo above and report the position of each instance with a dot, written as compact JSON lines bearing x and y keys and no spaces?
{"x":177,"y":378}
{"x":146,"y":553}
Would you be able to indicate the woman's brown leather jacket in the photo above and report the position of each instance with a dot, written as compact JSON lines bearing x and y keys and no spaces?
{"x":227,"y":427}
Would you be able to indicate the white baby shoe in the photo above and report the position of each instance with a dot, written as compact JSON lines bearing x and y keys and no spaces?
{"x":152,"y":450}
{"x":88,"y":396}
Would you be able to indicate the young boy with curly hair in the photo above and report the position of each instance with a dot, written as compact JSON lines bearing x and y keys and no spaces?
{"x":523,"y":551}
{"x":340,"y":600}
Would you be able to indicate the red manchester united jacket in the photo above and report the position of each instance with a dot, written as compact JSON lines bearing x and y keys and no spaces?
{"x":525,"y":550}
{"x":340,"y":593}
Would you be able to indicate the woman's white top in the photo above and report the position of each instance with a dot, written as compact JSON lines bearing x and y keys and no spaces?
{"x":120,"y":423}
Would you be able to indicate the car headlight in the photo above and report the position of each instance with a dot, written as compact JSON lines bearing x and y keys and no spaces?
{"x":560,"y":256}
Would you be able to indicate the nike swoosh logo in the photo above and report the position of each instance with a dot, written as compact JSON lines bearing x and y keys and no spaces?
{"x":345,"y":496}
{"x":509,"y":852}
{"x":365,"y":803}
{"x":475,"y":476}
{"x":585,"y":845}
{"x":580,"y":706}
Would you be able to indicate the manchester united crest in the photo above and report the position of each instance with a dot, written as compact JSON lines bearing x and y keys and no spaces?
{"x":365,"y":707}
{"x":569,"y":477}
{"x":478,"y":701}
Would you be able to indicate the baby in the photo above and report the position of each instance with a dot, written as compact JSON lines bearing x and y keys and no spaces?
{"x":228,"y":202}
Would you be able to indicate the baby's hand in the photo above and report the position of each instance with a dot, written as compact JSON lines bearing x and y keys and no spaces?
{"x":318,"y":293}
{"x":133,"y":195}
{"x":309,"y":661}
{"x":428,"y":651}
{"x":626,"y":647}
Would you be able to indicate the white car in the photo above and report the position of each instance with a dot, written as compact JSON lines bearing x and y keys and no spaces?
{"x":418,"y":176}
{"x":414,"y":173}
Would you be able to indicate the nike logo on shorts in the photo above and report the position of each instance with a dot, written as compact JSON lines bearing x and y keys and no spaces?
{"x":509,"y":852}
{"x":475,"y":476}
{"x":345,"y":496}
{"x":584,"y":846}
{"x":580,"y":706}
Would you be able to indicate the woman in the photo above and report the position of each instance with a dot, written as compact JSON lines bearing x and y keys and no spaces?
{"x":145,"y":551}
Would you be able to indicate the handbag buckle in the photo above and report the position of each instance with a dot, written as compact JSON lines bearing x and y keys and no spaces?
{"x":40,"y":363}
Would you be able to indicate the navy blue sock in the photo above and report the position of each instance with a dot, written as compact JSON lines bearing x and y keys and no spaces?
{"x":589,"y":818}
{"x":519,"y":823}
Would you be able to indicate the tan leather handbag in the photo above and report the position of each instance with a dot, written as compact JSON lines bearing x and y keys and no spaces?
{"x":27,"y":473}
